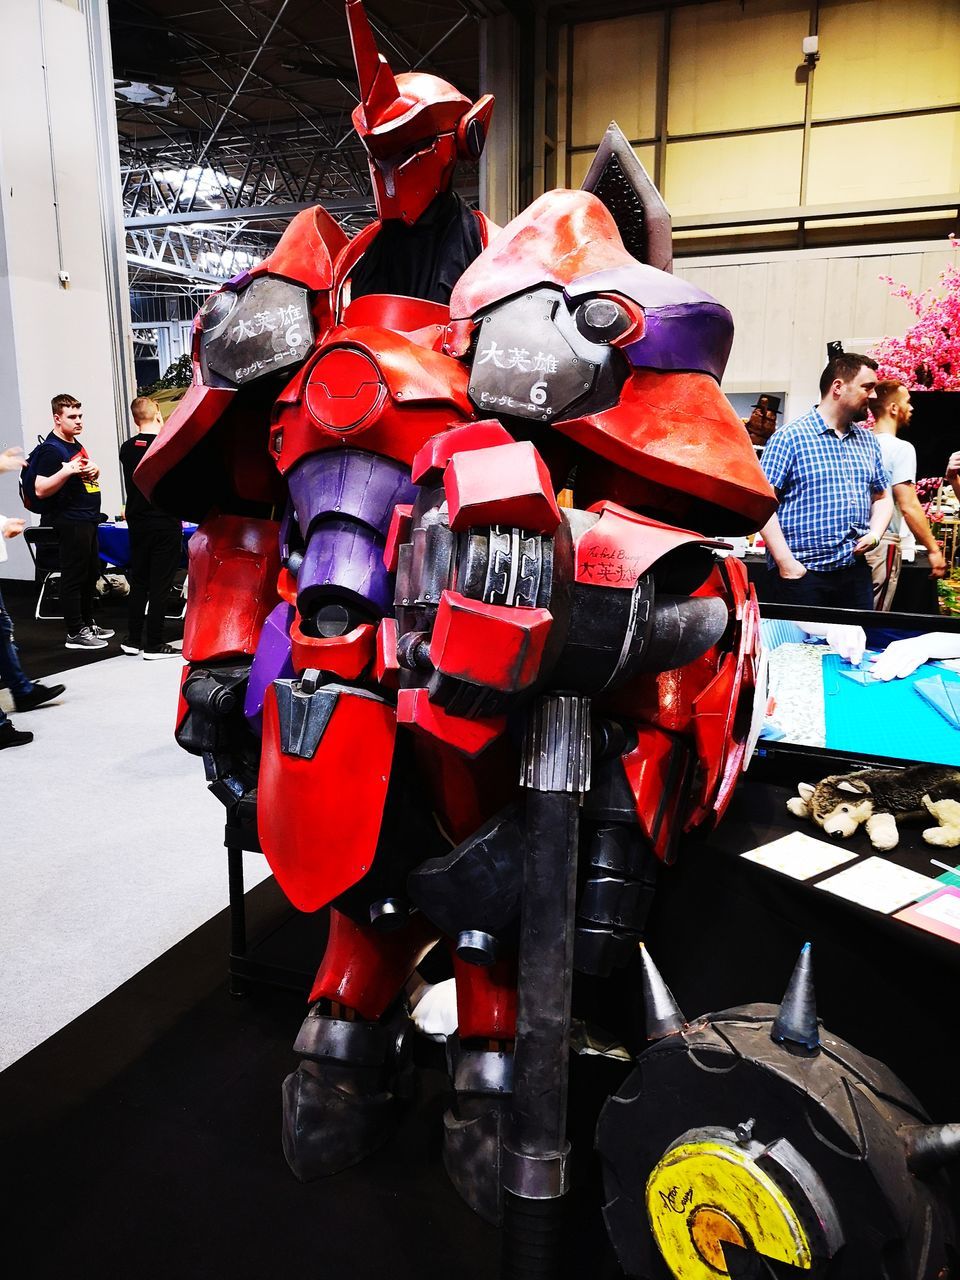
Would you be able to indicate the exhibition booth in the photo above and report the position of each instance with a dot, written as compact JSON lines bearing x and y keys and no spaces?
{"x":496,"y":881}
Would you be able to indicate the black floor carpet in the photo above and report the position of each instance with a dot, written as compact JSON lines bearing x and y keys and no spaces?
{"x":41,"y":643}
{"x":143,"y":1141}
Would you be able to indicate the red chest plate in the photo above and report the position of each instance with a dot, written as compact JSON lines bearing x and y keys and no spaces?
{"x":345,"y":390}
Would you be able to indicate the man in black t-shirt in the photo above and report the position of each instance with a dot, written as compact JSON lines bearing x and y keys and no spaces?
{"x":155,"y":543}
{"x":67,"y":485}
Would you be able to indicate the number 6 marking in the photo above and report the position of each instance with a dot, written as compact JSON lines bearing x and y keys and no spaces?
{"x":538,"y":393}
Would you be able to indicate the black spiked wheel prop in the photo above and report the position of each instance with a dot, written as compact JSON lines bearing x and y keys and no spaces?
{"x":753,"y":1143}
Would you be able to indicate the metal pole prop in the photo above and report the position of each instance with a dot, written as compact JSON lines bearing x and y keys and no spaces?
{"x":556,"y":775}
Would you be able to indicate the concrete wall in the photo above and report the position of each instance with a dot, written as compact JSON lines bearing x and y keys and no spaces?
{"x":53,"y":337}
{"x":787,"y":306}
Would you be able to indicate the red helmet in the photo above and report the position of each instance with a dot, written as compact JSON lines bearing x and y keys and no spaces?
{"x":414,"y":127}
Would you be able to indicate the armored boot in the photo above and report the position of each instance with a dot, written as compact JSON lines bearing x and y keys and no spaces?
{"x":473,"y":1127}
{"x":480,"y":1062}
{"x":345,"y":1098}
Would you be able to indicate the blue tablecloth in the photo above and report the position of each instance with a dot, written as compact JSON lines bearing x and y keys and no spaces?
{"x":113,"y":540}
{"x":887,"y":718}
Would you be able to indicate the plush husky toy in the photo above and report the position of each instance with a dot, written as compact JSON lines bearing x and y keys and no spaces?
{"x":878,"y":797}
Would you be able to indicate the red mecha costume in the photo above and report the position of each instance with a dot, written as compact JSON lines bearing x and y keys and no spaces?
{"x":383,"y":584}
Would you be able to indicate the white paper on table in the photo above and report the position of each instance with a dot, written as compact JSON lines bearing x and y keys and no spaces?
{"x":799,"y":855}
{"x":879,"y":884}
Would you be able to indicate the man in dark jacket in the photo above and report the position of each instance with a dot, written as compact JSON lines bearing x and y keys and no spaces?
{"x":155,"y":543}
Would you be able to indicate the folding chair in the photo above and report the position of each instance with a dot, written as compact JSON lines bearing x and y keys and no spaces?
{"x":42,"y":543}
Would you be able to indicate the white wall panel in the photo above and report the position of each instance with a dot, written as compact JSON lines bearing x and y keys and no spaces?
{"x":788,"y":306}
{"x":52,"y":339}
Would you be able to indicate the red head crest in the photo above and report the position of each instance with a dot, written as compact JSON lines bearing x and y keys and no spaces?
{"x":414,"y":126}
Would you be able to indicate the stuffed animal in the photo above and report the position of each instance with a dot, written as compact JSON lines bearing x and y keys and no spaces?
{"x":878,"y":797}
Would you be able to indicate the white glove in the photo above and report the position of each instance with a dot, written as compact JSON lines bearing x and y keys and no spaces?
{"x":901,"y":658}
{"x":434,"y":1011}
{"x":848,"y":642}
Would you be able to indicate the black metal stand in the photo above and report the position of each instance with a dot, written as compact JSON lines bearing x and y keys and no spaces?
{"x":535,"y":1176}
{"x":239,"y":838}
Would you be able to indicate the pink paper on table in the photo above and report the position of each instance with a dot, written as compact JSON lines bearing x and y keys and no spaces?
{"x":939,"y":914}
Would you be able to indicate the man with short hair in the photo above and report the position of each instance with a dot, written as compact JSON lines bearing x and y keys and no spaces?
{"x":835,"y":502}
{"x":892,"y":413}
{"x":156,"y":543}
{"x":66,"y":486}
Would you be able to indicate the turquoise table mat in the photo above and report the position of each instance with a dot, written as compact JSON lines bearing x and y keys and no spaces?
{"x":887,"y":718}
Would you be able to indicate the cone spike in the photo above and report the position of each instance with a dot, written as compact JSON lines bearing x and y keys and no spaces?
{"x":796,"y":1020}
{"x":930,"y":1146}
{"x":663,"y":1013}
{"x":378,"y":87}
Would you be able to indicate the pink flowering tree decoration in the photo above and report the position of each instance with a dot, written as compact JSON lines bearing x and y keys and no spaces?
{"x":927,"y":357}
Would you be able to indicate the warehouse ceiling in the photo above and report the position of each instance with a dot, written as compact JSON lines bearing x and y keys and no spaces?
{"x":242,"y":104}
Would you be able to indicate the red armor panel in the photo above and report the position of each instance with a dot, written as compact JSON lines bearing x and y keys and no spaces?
{"x":346,"y":656}
{"x":386,"y":668}
{"x":492,"y":645}
{"x":679,"y":431}
{"x":199,"y":410}
{"x":364,"y":969}
{"x":415,"y":709}
{"x":554,"y":241}
{"x":466,"y":792}
{"x":622,"y":546}
{"x":709,"y":699}
{"x":234,"y":563}
{"x":379,"y":391}
{"x":486,"y":1000}
{"x":306,"y":251}
{"x":429,"y":464}
{"x":655,"y":771}
{"x":319,"y":818}
{"x":508,"y":485}
{"x":724,"y":709}
{"x":399,"y":532}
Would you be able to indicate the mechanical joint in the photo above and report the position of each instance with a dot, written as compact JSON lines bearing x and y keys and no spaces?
{"x":535,"y":1177}
{"x":556,"y":748}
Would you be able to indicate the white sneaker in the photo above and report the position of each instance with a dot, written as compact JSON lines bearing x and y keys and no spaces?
{"x":85,"y":639}
{"x":133,"y":649}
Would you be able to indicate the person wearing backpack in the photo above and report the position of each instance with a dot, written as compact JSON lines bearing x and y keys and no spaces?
{"x":65,"y":482}
{"x":27,"y":694}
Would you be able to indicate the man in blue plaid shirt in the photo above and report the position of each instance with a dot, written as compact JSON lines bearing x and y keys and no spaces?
{"x":835,"y":500}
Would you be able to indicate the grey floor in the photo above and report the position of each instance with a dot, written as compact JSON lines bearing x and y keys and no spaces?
{"x":111,"y":847}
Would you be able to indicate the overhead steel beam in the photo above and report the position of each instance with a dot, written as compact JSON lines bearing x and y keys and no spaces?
{"x":169,"y":269}
{"x":262,"y":214}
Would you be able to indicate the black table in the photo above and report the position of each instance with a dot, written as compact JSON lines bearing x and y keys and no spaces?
{"x":725,"y":931}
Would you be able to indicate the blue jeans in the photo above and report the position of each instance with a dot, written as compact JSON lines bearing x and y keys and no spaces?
{"x":11,"y":672}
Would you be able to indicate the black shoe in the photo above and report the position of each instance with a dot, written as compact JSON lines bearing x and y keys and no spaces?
{"x":161,"y":651}
{"x":11,"y":737}
{"x":39,"y":694}
{"x":133,"y":647}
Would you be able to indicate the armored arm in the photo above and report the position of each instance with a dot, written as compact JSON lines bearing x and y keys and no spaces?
{"x":234,"y":563}
{"x":499,"y":593}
